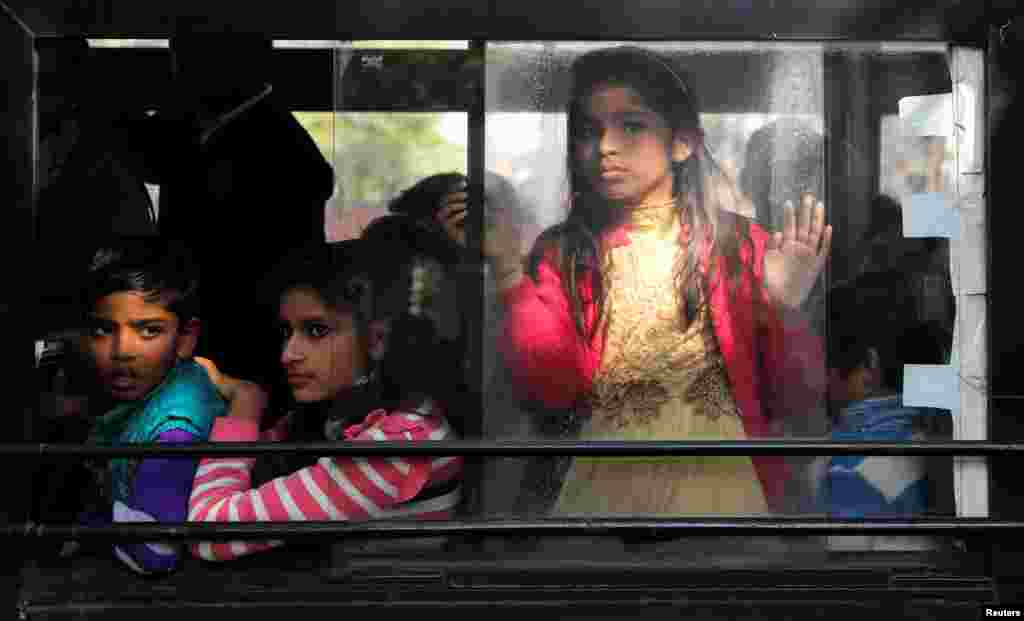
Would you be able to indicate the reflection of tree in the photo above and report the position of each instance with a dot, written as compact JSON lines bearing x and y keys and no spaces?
{"x":377,"y":155}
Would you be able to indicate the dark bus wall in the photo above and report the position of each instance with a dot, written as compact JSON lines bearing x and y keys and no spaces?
{"x":871,"y":20}
{"x":17,"y":120}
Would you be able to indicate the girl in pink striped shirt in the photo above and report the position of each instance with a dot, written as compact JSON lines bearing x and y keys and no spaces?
{"x":352,"y":322}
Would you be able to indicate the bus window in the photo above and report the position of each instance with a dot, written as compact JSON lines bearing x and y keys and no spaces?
{"x":779,"y":123}
{"x":397,"y":118}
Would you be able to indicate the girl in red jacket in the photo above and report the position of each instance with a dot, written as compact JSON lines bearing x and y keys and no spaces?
{"x":654,"y":312}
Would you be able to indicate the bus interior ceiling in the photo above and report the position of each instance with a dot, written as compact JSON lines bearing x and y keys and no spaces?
{"x":523,"y":20}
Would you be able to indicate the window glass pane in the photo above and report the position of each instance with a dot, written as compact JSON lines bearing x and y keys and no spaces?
{"x":829,"y":367}
{"x":376,"y":155}
{"x":850,"y":127}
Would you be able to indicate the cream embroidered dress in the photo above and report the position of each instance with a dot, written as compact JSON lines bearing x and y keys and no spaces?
{"x":658,"y":383}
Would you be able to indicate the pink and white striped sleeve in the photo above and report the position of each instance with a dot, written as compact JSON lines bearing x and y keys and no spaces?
{"x":341,"y":488}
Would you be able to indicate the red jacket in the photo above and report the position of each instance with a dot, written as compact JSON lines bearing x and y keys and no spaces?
{"x":776,"y":366}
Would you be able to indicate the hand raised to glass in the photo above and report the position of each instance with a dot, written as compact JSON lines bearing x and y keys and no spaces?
{"x":795,"y":256}
{"x":502,"y":237}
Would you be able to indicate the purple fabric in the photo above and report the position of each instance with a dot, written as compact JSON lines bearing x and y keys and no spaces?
{"x":161,"y":490}
{"x":162,"y":485}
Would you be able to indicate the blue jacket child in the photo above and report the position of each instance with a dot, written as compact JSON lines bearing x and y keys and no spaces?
{"x":141,"y":317}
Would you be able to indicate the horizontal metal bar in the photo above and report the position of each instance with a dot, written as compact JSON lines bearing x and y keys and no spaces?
{"x":515,"y":528}
{"x":524,"y":448}
{"x":626,"y":604}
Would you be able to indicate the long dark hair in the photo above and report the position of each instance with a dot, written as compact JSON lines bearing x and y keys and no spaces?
{"x":369,"y":281}
{"x":576,"y":240}
{"x":419,"y":204}
{"x":336,"y":274}
{"x":372,"y":280}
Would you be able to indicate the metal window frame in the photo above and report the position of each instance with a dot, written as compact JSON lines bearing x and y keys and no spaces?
{"x":984,"y":529}
{"x":644,"y":527}
{"x":702,"y":526}
{"x":525,"y":448}
{"x":284,"y":59}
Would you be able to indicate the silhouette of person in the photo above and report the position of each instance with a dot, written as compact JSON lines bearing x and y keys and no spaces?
{"x":242,"y":183}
